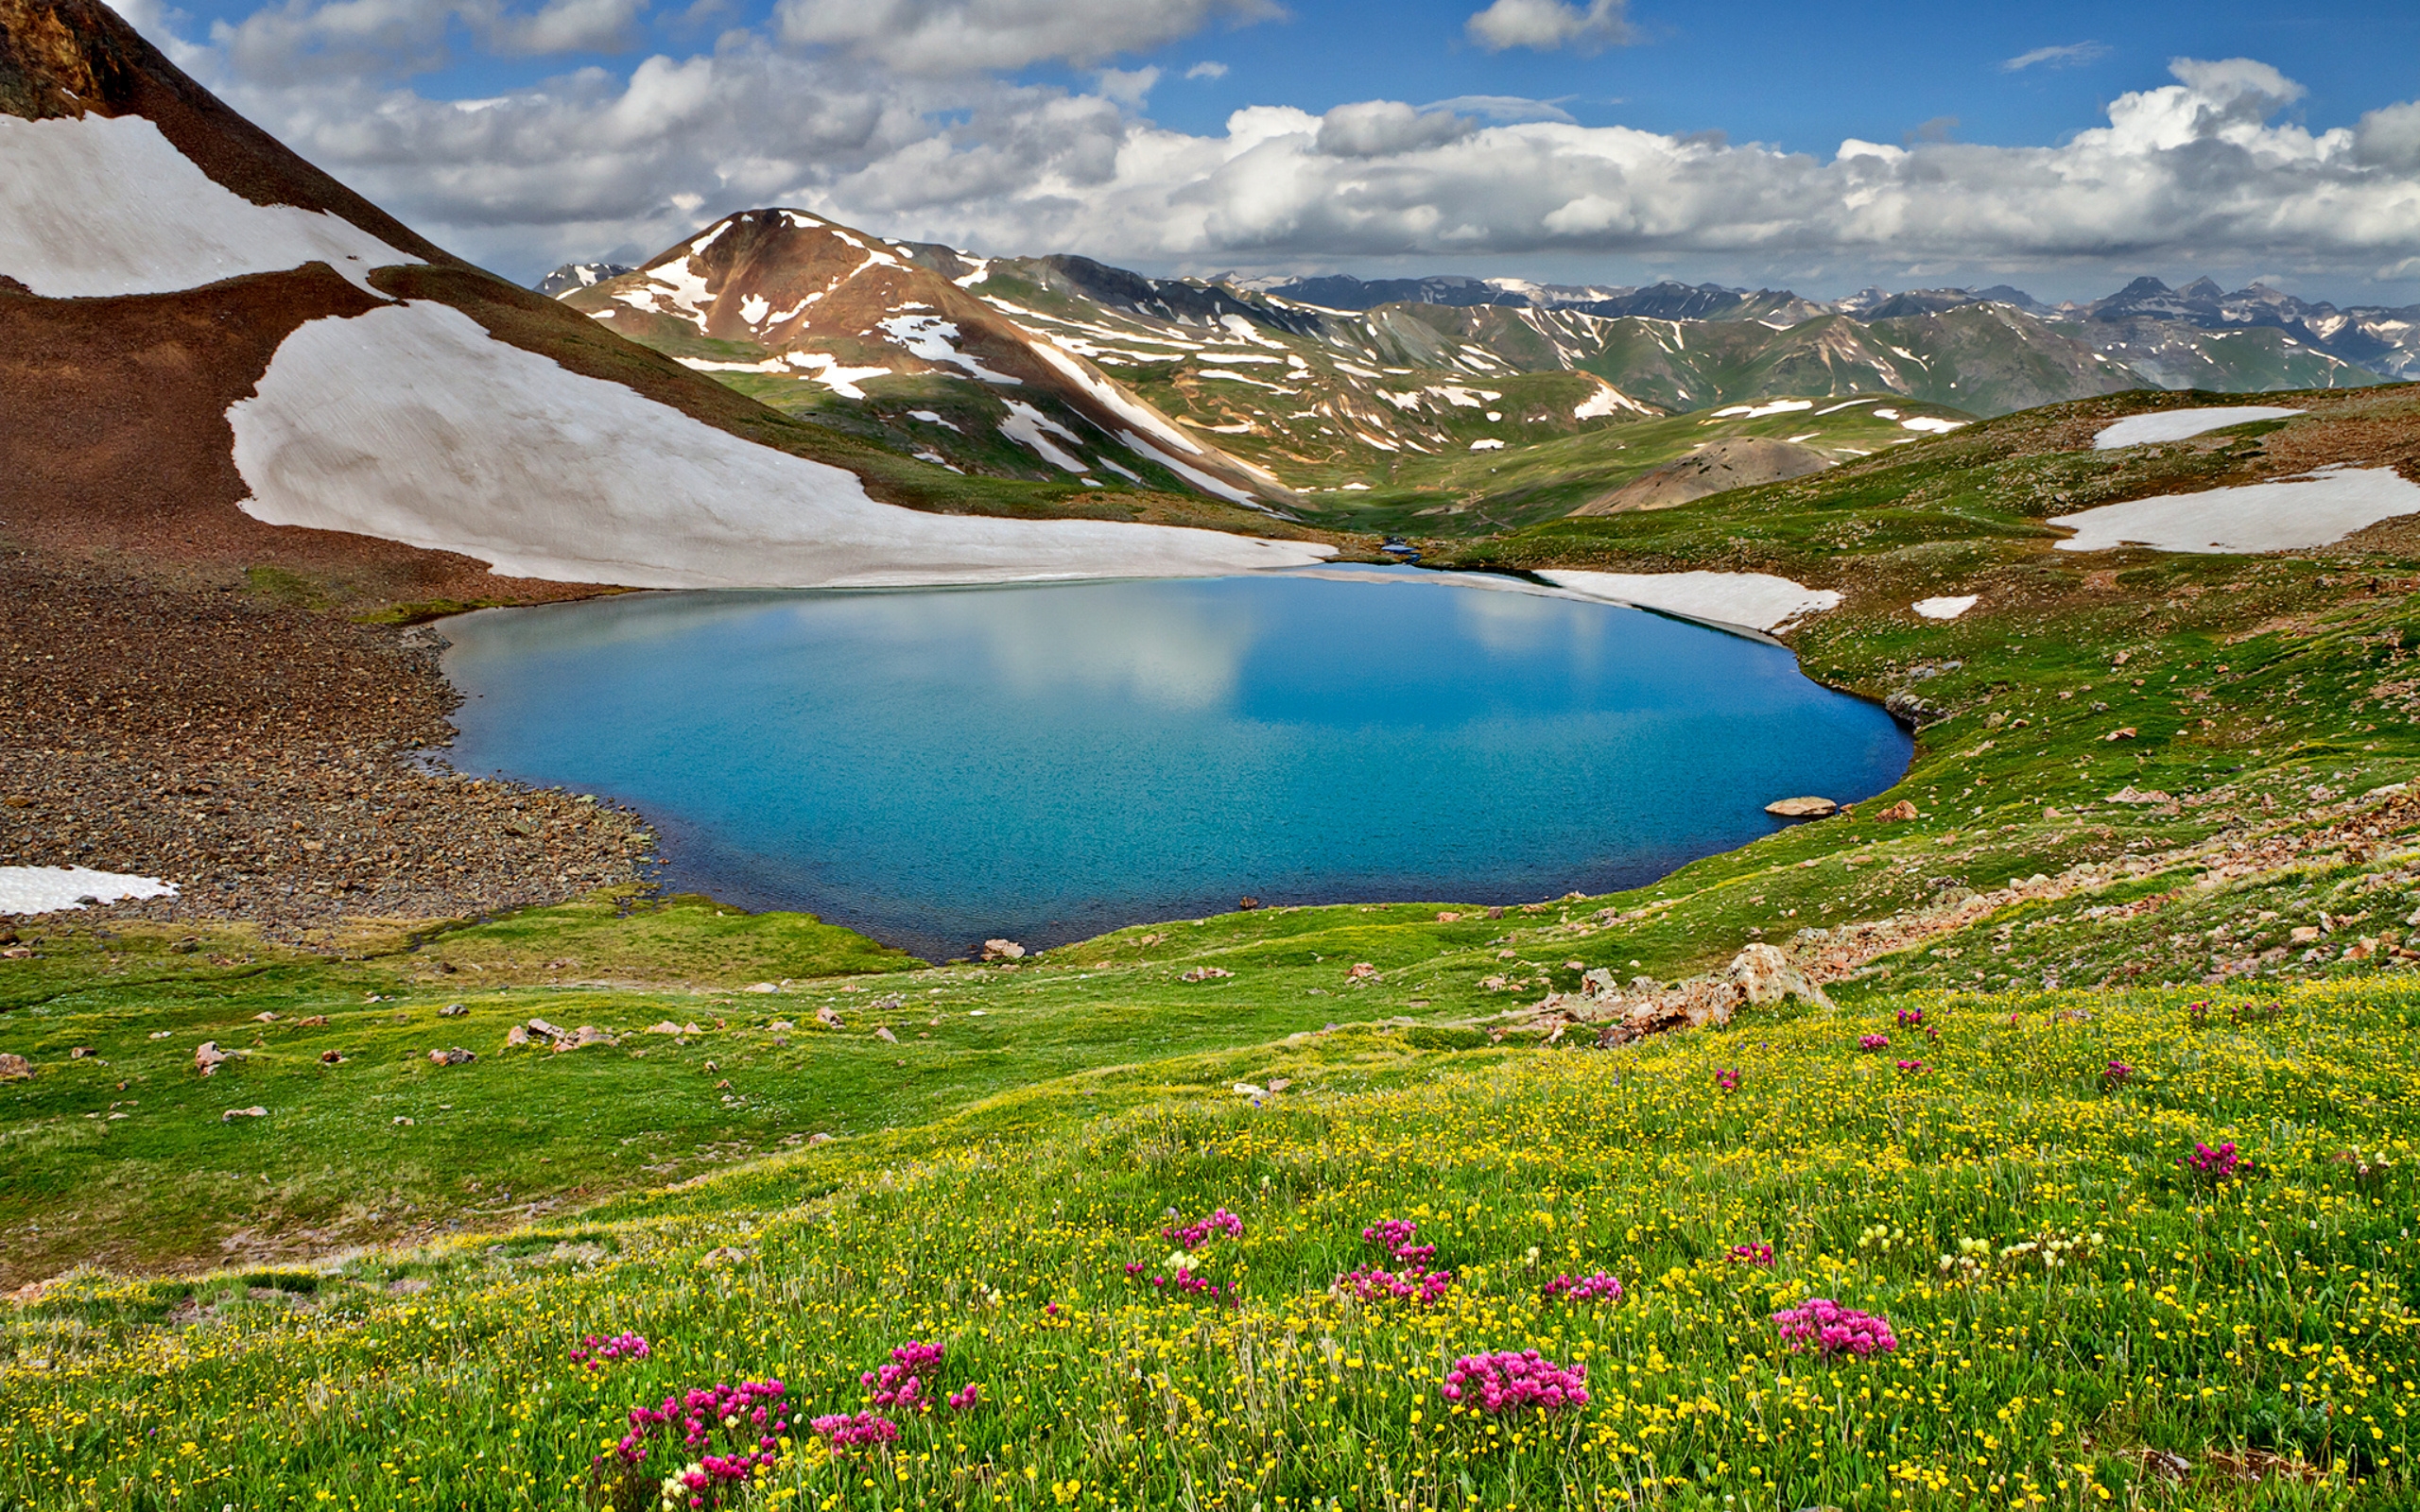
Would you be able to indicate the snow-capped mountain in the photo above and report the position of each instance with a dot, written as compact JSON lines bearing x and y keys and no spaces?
{"x":209,"y":350}
{"x":808,"y":315}
{"x":578,"y":276}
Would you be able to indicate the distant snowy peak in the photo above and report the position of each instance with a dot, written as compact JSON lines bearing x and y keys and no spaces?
{"x":572,"y":276}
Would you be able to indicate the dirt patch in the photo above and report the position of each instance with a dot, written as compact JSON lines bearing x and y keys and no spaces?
{"x":260,"y":755}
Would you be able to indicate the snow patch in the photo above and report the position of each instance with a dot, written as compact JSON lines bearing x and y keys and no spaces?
{"x":825,"y":368}
{"x":1758,"y":601}
{"x":2306,"y":511}
{"x":411,"y":423}
{"x":1606,"y":401}
{"x":98,"y":205}
{"x":1194,"y":475}
{"x":1779,"y":407}
{"x":1030,"y":427}
{"x":55,"y":889}
{"x":1946,"y":608}
{"x":2177,"y":424}
{"x":930,"y":337}
{"x":1932,"y":423}
{"x":932,"y":417}
{"x":1487,"y":443}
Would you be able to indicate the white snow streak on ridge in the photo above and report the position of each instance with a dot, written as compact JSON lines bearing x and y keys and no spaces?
{"x":104,"y":205}
{"x":1029,"y":426}
{"x":53,"y":889}
{"x":1758,"y":600}
{"x":2305,"y":511}
{"x":412,"y":424}
{"x":1946,"y":608}
{"x":2177,"y":424}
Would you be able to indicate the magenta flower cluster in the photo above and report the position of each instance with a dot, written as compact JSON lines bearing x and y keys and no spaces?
{"x":1911,"y":1018}
{"x":866,"y":1430}
{"x":593,"y":1353}
{"x":1913,"y":1068}
{"x":1512,"y":1379}
{"x":1726,"y":1080}
{"x":1874,"y":1041}
{"x":1756,"y":1253}
{"x":1596,"y":1288}
{"x":966,"y":1397}
{"x":748,"y":1419}
{"x":1398,"y":1237}
{"x":900,"y":1383}
{"x":1195,"y":1234}
{"x":2117,"y":1071}
{"x":1411,"y":1283}
{"x":2216,"y":1164}
{"x":1827,"y":1327}
{"x":1186,"y":1282}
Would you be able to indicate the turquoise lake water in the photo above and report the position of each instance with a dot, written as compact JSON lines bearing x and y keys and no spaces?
{"x":939,"y":766}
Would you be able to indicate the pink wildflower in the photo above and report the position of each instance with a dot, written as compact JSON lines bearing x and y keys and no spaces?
{"x":901,"y":1384}
{"x":1913,"y":1068}
{"x":962,"y":1400}
{"x":1411,"y":1284}
{"x":1397,"y":1237}
{"x":2218,"y":1164}
{"x":1829,"y":1328}
{"x":1195,"y":1234}
{"x":1510,"y":1381}
{"x":1726,"y":1080}
{"x":1873,"y":1041}
{"x":1753,"y":1254}
{"x":1911,"y":1018}
{"x":1599,"y":1287}
{"x":864,"y":1431}
{"x":593,"y":1353}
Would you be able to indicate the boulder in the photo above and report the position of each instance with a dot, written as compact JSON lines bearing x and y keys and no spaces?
{"x":515,"y":1037}
{"x":540,"y":1026}
{"x":825,"y":1017}
{"x":208,"y":1058}
{"x":317,"y":1020}
{"x":1003,"y":950}
{"x":452,"y":1010}
{"x":1206,"y":974}
{"x":668,"y":1026}
{"x":1899,"y":812}
{"x":586,"y":1035}
{"x":454,"y":1057}
{"x":1802,"y":808}
{"x":16,"y":1068}
{"x":234,"y":1113}
{"x":885,"y":1035}
{"x":1763,"y":974}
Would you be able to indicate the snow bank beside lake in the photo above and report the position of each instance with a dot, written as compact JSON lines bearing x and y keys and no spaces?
{"x":2306,"y":511}
{"x":1948,"y":608}
{"x":1760,"y":601}
{"x":412,"y":423}
{"x":55,"y":890}
{"x":2180,"y":424}
{"x":102,"y":205}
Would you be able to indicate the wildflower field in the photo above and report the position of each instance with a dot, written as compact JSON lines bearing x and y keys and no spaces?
{"x":2051,"y":1301}
{"x":2092,"y":1183}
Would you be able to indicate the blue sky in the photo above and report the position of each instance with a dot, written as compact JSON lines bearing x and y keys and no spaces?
{"x":1094,"y":126}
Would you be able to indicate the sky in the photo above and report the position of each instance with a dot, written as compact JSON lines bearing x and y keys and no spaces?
{"x":2062,"y":147}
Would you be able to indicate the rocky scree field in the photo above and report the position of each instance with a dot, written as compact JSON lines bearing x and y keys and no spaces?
{"x":2080,"y":1172}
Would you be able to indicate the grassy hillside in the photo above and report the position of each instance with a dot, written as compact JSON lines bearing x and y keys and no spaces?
{"x":2158,"y":902}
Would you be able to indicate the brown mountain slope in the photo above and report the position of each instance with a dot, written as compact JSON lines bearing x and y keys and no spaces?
{"x":147,"y":305}
{"x":790,"y":306}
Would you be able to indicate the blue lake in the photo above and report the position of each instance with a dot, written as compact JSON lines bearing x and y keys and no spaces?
{"x":1043,"y":762}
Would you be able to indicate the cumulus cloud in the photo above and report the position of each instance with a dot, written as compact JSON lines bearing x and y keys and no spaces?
{"x":1548,"y":25}
{"x":1206,"y":69}
{"x":2071,"y":56}
{"x":302,"y":40}
{"x":943,"y":36}
{"x":2204,"y":169}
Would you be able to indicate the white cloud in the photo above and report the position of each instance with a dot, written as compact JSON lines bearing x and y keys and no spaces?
{"x":1206,"y":69}
{"x":1128,"y":87}
{"x":2202,"y":171}
{"x":1548,"y":25}
{"x":2071,"y":56}
{"x":317,"y":41}
{"x":942,"y":37}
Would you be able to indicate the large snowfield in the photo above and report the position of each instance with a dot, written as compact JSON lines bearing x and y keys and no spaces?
{"x":2182,"y":424}
{"x":2306,"y":511}
{"x":412,"y":423}
{"x":1758,"y":601}
{"x":55,"y":889}
{"x":104,"y":205}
